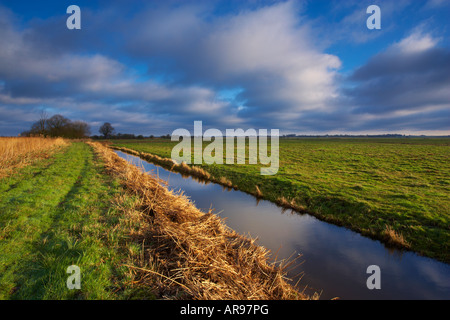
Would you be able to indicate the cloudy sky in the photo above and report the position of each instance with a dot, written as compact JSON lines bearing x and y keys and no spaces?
{"x":150,"y":67}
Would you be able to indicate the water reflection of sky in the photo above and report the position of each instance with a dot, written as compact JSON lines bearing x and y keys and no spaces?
{"x":333,"y":259}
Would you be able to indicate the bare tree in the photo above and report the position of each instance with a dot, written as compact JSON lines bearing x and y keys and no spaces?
{"x":58,"y":126}
{"x":42,"y":122}
{"x":80,"y":129}
{"x":39,"y":128}
{"x":106,"y":129}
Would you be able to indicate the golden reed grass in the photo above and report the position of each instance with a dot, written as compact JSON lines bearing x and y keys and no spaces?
{"x":20,"y":151}
{"x":395,"y":239}
{"x":189,"y":254}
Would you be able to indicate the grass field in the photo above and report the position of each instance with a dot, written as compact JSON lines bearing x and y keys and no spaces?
{"x":56,"y":213}
{"x":392,"y":189}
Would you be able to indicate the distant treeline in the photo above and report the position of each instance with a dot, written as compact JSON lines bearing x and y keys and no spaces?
{"x":387,"y":135}
{"x":58,"y":126}
{"x":129,"y":136}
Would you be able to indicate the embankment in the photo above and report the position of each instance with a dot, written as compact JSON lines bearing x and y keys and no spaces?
{"x":190,"y":254}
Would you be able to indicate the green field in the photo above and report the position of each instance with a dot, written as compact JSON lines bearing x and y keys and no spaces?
{"x":366,"y":184}
{"x":56,"y":213}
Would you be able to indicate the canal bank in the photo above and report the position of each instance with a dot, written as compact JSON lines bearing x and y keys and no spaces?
{"x":330,"y":259}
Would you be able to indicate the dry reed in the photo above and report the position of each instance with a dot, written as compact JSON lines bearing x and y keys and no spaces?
{"x":189,"y":254}
{"x":20,"y":151}
{"x":394,"y":238}
{"x":258,"y":192}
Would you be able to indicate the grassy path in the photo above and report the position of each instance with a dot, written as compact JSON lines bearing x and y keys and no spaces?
{"x":54,"y":214}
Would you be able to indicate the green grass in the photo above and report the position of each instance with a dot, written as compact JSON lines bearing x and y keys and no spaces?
{"x":57,"y":213}
{"x":364,"y":184}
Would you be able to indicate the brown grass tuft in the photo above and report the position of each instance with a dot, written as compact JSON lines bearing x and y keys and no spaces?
{"x":283,"y":202}
{"x":258,"y":192}
{"x":394,"y":238}
{"x":189,"y":254}
{"x":225,"y":182}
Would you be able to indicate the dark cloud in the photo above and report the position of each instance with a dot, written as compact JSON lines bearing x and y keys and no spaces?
{"x":405,"y":85}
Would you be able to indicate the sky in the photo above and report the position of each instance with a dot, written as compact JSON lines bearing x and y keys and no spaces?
{"x":303,"y":67}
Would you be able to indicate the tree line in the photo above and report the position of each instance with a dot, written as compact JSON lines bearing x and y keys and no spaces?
{"x":108,"y":132}
{"x":58,"y":126}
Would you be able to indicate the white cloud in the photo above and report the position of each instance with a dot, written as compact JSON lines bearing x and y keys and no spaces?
{"x":416,"y":42}
{"x":266,"y":52}
{"x":269,"y":49}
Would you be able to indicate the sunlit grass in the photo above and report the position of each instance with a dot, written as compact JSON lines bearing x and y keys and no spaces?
{"x":56,"y":213}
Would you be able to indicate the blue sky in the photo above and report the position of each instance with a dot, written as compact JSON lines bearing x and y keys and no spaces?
{"x":150,"y":67}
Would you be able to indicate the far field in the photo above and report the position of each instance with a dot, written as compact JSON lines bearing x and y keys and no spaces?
{"x":393,"y":189}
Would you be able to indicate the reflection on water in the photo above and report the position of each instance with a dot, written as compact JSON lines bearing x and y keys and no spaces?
{"x":333,"y":259}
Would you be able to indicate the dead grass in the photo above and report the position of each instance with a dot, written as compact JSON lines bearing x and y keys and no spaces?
{"x":189,"y":254}
{"x":394,"y":238}
{"x":226,"y":182}
{"x":293,"y":205}
{"x":284,"y":203}
{"x":17,"y":152}
{"x":258,"y":192}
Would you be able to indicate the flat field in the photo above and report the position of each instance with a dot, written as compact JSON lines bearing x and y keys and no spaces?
{"x":396,"y":190}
